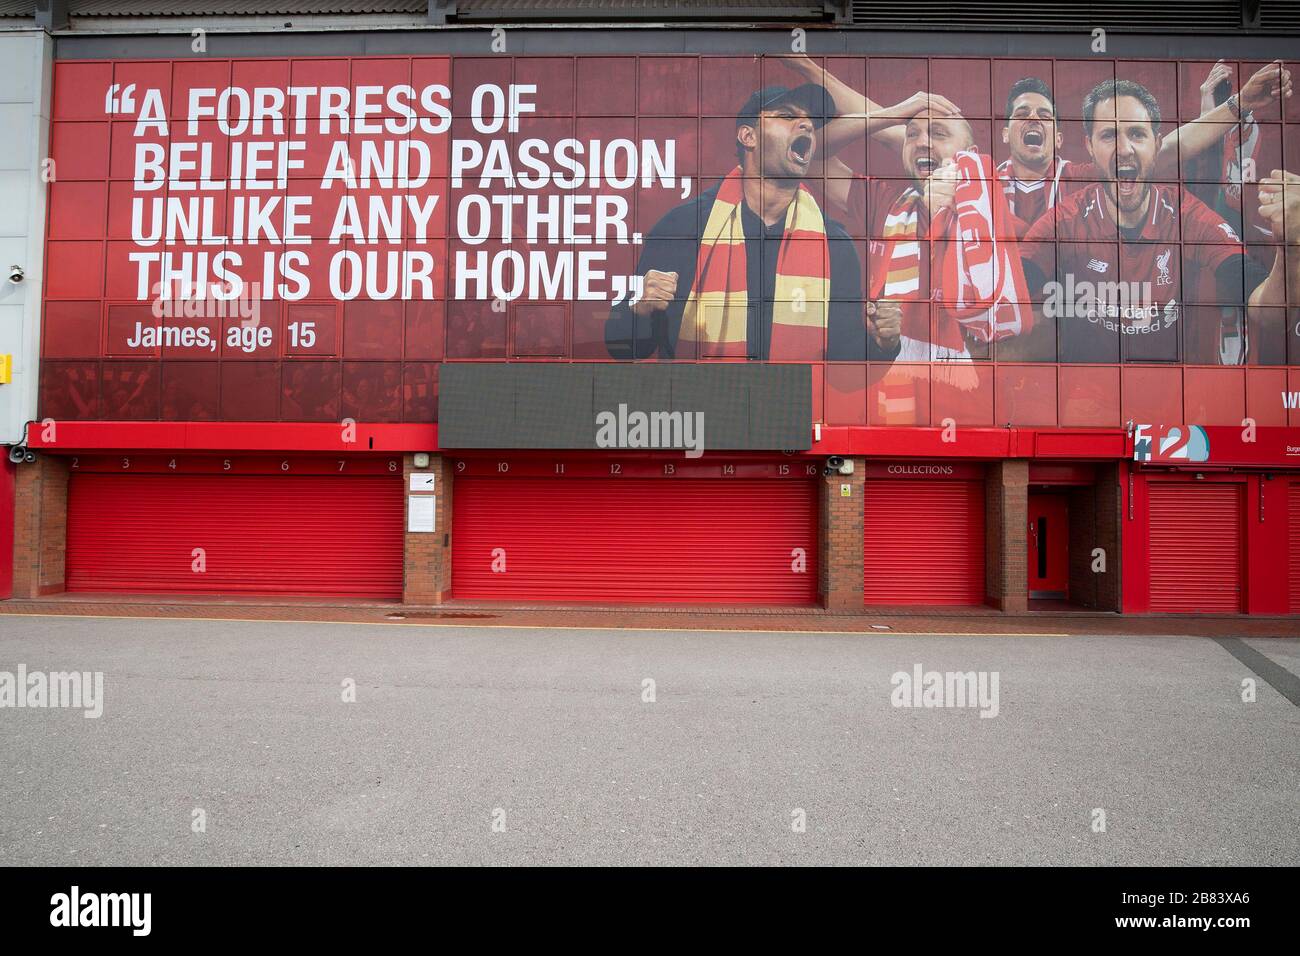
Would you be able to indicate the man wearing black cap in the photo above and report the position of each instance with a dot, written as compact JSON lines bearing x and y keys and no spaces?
{"x":751,"y":268}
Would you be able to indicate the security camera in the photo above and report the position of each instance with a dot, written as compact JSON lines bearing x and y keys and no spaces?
{"x":16,"y":274}
{"x":18,"y":454}
{"x":834,"y":461}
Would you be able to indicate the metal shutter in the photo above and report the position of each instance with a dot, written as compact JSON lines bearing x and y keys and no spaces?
{"x":635,"y":540}
{"x":1293,"y":543}
{"x":923,"y":542}
{"x":300,"y":534}
{"x":1196,"y":547}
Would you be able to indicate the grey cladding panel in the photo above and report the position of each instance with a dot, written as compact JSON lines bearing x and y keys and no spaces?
{"x":721,"y":392}
{"x":476,"y":405}
{"x":534,"y":405}
{"x":553,"y":406}
{"x":782,"y":412}
{"x":637,"y":386}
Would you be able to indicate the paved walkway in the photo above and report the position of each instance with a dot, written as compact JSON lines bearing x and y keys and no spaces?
{"x":984,"y":621}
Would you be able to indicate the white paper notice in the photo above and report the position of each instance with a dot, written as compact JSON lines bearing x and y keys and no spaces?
{"x":422,"y":481}
{"x":420,"y":512}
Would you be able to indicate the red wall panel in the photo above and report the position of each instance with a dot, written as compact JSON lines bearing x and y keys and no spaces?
{"x":688,"y":99}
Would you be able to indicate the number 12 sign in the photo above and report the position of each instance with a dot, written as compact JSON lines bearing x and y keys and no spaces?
{"x":1170,"y":443}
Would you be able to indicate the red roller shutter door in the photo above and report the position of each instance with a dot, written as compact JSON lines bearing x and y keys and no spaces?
{"x":923,"y":542}
{"x":1293,"y":544}
{"x":1196,"y":547}
{"x":635,"y":540}
{"x":301,"y":534}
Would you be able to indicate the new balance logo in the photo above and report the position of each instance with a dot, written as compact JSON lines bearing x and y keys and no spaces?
{"x":1096,"y":265}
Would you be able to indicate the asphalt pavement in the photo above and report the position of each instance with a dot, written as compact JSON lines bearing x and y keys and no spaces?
{"x":228,"y":742}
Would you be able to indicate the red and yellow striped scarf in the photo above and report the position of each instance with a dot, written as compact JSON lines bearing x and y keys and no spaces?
{"x":716,"y":314}
{"x":901,"y":276}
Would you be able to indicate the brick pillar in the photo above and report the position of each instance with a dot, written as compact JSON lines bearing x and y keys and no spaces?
{"x":840,"y":536}
{"x":428,"y":556}
{"x":40,"y":526}
{"x":1111,"y":493}
{"x":1006,"y":575}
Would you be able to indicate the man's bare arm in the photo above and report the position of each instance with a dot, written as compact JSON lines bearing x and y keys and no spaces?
{"x":858,"y":116}
{"x":1268,"y":85}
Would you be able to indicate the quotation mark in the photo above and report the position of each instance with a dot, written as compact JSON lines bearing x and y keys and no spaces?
{"x":112,"y":104}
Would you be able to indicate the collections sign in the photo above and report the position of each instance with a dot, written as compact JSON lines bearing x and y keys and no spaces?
{"x":923,"y":470}
{"x":311,"y":239}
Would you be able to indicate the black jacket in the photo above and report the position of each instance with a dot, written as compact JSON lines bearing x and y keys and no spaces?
{"x":673,"y":246}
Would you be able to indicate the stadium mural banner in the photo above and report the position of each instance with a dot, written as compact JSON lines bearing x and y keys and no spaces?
{"x":988,"y":241}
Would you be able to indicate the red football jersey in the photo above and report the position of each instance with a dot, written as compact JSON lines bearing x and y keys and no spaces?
{"x":1030,"y":199}
{"x":1130,"y":287}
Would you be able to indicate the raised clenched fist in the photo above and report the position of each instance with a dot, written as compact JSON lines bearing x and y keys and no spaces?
{"x":941,"y":187}
{"x":1279,"y":204}
{"x":885,"y":319}
{"x":657,"y":290}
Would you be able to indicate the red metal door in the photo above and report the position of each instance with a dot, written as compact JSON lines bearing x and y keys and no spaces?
{"x":923,"y":542}
{"x":238,"y":534}
{"x":635,"y":540}
{"x":1048,"y":542}
{"x":1196,"y":546}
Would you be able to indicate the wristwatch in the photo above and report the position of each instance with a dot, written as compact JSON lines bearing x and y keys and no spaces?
{"x":1234,"y":107}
